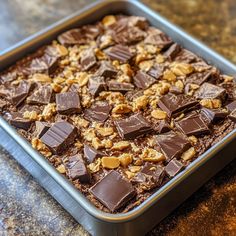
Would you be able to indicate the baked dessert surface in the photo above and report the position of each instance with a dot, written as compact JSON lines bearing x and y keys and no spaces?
{"x":118,"y":108}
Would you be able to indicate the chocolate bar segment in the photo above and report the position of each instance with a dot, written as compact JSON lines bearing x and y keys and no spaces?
{"x":96,"y":85}
{"x":68,"y":103}
{"x":133,"y":127}
{"x":106,"y":69}
{"x":60,"y":136}
{"x":210,"y":91}
{"x":174,"y":104}
{"x":214,"y":115}
{"x":77,"y":169}
{"x":41,"y":128}
{"x":20,"y":92}
{"x":91,"y":153}
{"x":232,"y":115}
{"x":99,"y":112}
{"x":192,"y":125}
{"x":113,"y":191}
{"x":143,"y":80}
{"x":41,"y":95}
{"x":17,"y":120}
{"x":173,"y":168}
{"x":120,"y":53}
{"x":88,"y":60}
{"x":172,"y":144}
{"x":119,"y":86}
{"x":231,"y":106}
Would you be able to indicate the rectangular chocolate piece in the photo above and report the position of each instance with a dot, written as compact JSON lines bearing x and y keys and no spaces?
{"x":77,"y":169}
{"x":41,"y":128}
{"x":20,"y":93}
{"x":98,"y":112}
{"x":231,"y":106}
{"x":96,"y":85}
{"x":106,"y":70}
{"x":172,"y":144}
{"x":192,"y":125}
{"x":120,"y":87}
{"x":149,"y":177}
{"x":120,"y":53}
{"x":133,"y":127}
{"x":91,"y":154}
{"x":41,"y":95}
{"x":214,"y":115}
{"x":174,"y":104}
{"x":60,"y":136}
{"x":88,"y":60}
{"x":143,"y":80}
{"x":113,"y":191}
{"x":16,"y":119}
{"x":173,"y":168}
{"x":68,"y":103}
{"x":210,"y":91}
{"x":232,"y":115}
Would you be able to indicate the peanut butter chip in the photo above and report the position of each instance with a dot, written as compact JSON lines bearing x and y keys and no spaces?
{"x":169,"y":75}
{"x":110,"y":162}
{"x":122,"y":109}
{"x":211,"y":103}
{"x":189,"y":154}
{"x":105,"y":131}
{"x":42,"y":78}
{"x":152,"y":155}
{"x":120,"y":146}
{"x":180,"y":69}
{"x":158,"y":114}
{"x":61,"y":169}
{"x":125,"y":159}
{"x":31,"y":115}
{"x":95,"y":166}
{"x":108,"y":20}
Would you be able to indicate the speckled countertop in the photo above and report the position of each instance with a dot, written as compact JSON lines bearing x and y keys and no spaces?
{"x":25,"y":207}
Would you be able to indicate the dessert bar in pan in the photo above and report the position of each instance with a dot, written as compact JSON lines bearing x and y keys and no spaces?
{"x":119,"y":107}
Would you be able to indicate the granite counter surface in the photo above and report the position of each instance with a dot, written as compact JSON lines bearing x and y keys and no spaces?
{"x":25,"y":207}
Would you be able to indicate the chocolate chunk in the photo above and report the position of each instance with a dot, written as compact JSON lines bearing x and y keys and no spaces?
{"x":143,"y":80}
{"x":163,"y":127}
{"x":60,"y":136}
{"x":68,"y":103}
{"x":79,"y":36}
{"x":231,"y":106}
{"x":139,"y":21}
{"x":72,"y":37}
{"x":16,"y":119}
{"x":199,"y":78}
{"x":175,"y":90}
{"x":77,"y":169}
{"x":174,"y":104}
{"x":214,"y":115}
{"x":173,"y":168}
{"x":186,"y":56}
{"x":8,"y":77}
{"x":113,"y":191}
{"x":45,"y":64}
{"x":98,"y":112}
{"x":41,"y":96}
{"x":120,"y":53}
{"x":232,"y":115}
{"x":20,"y":93}
{"x":172,"y":51}
{"x":131,"y":95}
{"x":156,"y":71}
{"x":150,"y":176}
{"x":96,"y":85}
{"x":192,"y":125}
{"x":133,"y":127}
{"x":119,"y":87}
{"x":210,"y":91}
{"x":128,"y":35}
{"x":160,"y":40}
{"x":41,"y":128}
{"x":91,"y":153}
{"x":106,"y":70}
{"x":88,"y":60}
{"x":173,"y":144}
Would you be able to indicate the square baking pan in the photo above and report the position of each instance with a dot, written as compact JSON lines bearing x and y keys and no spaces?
{"x":144,"y":217}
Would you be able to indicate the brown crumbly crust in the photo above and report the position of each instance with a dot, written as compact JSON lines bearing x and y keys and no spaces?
{"x":178,"y":72}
